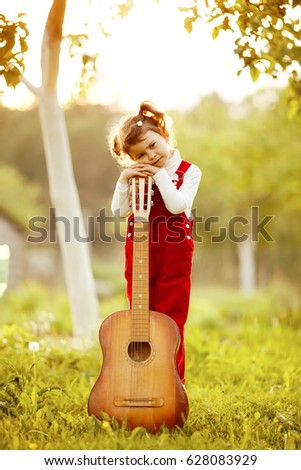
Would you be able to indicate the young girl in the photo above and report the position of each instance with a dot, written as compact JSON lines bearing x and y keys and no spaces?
{"x":143,"y":141}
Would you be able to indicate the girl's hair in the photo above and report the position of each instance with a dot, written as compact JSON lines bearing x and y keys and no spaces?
{"x":131,"y":130}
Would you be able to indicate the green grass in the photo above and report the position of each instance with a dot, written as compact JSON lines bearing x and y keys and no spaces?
{"x":243,"y":375}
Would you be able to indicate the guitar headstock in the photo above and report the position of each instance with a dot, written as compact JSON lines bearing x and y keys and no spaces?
{"x":141,"y":197}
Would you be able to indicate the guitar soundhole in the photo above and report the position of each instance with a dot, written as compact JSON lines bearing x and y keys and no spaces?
{"x":139,"y":351}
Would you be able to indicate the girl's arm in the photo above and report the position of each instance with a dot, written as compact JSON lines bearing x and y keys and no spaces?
{"x":178,"y":200}
{"x":120,"y":202}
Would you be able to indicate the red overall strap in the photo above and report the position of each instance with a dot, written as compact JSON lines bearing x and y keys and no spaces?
{"x":183,"y":167}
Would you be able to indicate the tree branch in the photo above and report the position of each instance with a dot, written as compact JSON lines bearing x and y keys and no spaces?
{"x":51,"y":45}
{"x":35,"y":90}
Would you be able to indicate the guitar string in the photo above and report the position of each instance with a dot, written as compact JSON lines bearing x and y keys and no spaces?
{"x":142,"y":200}
{"x":134,"y":280}
{"x":135,"y":349}
{"x":135,"y":276}
{"x":141,"y":271}
{"x":143,"y":248}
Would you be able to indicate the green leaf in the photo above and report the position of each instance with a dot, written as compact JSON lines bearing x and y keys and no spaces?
{"x":254,"y":72}
{"x":184,"y":9}
{"x":215,"y":31}
{"x":269,"y":58}
{"x":12,"y":77}
{"x":24,"y":28}
{"x":296,"y":3}
{"x":85,"y":59}
{"x":23,"y":45}
{"x":226,"y":24}
{"x":124,"y":8}
{"x":188,"y":23}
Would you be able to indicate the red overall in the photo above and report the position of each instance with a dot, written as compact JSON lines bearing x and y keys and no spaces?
{"x":170,"y":262}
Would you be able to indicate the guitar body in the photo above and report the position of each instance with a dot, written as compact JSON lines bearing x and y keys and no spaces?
{"x":138,"y":384}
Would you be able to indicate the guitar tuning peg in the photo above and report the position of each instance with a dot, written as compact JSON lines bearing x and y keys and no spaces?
{"x":153,"y":192}
{"x":152,"y":203}
{"x":130,"y":203}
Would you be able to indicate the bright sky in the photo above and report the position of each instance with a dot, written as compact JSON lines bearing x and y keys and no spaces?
{"x":148,"y":56}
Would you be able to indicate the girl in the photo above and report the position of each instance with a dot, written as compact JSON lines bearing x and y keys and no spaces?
{"x":143,"y":141}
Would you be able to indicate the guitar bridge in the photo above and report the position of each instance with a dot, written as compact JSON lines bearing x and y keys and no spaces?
{"x":149,"y":402}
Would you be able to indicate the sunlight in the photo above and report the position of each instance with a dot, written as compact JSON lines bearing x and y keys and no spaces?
{"x":149,"y":55}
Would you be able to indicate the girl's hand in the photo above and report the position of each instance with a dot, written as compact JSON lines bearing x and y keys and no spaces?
{"x":138,"y":169}
{"x":146,"y":169}
{"x":129,"y":173}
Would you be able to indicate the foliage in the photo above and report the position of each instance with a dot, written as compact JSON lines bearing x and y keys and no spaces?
{"x":268,"y":39}
{"x":243,"y":376}
{"x":14,"y":36}
{"x":76,"y":47}
{"x":268,"y":36}
{"x":14,"y":187}
{"x":13,"y":46}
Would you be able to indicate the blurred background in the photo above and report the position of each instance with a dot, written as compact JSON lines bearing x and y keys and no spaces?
{"x":249,"y":156}
{"x":237,"y":131}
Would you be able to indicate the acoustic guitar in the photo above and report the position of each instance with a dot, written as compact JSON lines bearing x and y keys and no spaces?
{"x":138,"y":383}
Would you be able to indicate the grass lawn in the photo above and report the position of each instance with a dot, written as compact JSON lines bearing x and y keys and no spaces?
{"x":243,"y":374}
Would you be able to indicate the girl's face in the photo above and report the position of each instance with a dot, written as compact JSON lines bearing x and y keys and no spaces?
{"x":153,"y":149}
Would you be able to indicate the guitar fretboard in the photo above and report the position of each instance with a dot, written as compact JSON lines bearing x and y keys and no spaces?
{"x":140,"y":288}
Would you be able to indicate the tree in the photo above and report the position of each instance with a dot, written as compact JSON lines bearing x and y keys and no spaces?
{"x":13,"y":46}
{"x":268,"y":36}
{"x":63,"y":191}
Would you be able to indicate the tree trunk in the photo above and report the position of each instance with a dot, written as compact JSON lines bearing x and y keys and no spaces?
{"x":63,"y":191}
{"x":64,"y":197}
{"x":247,"y":266}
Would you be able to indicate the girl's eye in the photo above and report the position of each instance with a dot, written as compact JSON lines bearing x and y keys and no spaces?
{"x":152,"y":145}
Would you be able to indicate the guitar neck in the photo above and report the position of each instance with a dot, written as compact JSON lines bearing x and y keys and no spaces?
{"x":140,"y":288}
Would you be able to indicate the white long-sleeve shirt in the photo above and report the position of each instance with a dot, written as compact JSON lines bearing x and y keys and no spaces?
{"x":176,"y":200}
